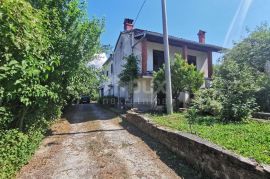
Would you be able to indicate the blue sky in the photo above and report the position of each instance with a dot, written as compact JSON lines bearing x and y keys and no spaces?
{"x":223,"y":20}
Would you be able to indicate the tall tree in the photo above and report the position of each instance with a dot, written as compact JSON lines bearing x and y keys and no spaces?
{"x":254,"y":52}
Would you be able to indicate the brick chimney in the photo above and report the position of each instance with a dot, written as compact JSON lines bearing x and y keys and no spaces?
{"x":128,"y":24}
{"x":201,"y":35}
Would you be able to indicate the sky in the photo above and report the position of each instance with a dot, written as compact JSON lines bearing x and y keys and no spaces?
{"x":225,"y":21}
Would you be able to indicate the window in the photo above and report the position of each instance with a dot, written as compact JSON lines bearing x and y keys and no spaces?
{"x":192,"y":60}
{"x":107,"y":73}
{"x":158,"y":59}
{"x":111,"y":68}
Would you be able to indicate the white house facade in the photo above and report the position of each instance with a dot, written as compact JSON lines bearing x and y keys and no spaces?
{"x":147,"y":46}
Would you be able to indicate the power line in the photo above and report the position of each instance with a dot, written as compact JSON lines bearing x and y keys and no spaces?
{"x":139,"y":11}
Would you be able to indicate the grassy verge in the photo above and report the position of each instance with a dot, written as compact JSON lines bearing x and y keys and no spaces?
{"x":250,"y":139}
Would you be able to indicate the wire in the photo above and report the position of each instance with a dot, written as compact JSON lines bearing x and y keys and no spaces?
{"x":139,"y":11}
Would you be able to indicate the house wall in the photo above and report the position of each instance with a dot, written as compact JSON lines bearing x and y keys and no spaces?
{"x":107,"y":90}
{"x":202,"y":64}
{"x":156,"y":46}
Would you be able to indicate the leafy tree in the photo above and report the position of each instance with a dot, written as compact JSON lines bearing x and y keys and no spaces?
{"x":184,"y":77}
{"x":44,"y":46}
{"x":236,"y":85}
{"x":254,"y":52}
{"x":129,"y":74}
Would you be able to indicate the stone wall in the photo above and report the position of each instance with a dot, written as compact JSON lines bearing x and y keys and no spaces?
{"x":261,"y":115}
{"x":209,"y":158}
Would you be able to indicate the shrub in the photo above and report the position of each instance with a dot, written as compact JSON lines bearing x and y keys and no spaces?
{"x":236,"y":85}
{"x":254,"y":52}
{"x":207,"y":102}
{"x":15,"y":150}
{"x":191,"y":117}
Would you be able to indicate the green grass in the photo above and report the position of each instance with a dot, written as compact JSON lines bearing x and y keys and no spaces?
{"x":250,"y":139}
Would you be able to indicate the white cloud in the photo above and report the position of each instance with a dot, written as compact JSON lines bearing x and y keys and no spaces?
{"x":98,"y":61}
{"x":238,"y":20}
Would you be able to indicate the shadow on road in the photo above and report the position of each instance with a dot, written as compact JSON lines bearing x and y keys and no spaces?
{"x":80,"y":113}
{"x":88,"y":132}
{"x":169,"y":158}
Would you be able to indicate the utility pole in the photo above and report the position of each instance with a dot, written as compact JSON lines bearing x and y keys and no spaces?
{"x":167,"y":60}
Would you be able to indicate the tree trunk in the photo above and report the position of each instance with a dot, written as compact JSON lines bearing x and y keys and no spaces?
{"x":22,"y":119}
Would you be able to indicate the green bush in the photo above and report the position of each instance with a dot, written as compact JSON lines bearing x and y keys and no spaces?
{"x":237,"y":86}
{"x":16,"y":148}
{"x":207,"y":102}
{"x":254,"y":52}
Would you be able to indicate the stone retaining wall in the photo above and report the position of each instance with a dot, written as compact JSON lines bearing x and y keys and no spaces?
{"x":261,"y":115}
{"x":207,"y":157}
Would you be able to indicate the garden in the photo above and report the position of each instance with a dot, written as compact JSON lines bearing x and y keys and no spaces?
{"x":223,"y":113}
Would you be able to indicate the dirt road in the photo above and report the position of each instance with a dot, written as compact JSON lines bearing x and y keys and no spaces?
{"x":94,"y":143}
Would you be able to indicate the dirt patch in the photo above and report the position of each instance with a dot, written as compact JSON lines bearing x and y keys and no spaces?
{"x":47,"y":151}
{"x":94,"y":143}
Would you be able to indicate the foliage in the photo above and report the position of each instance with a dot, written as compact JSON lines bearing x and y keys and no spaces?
{"x":207,"y":102}
{"x":263,"y":95}
{"x":249,"y":139}
{"x":236,"y":85}
{"x":191,"y":117}
{"x":184,"y":77}
{"x":44,"y":49}
{"x":254,"y":52}
{"x":16,"y":148}
{"x":129,"y":74}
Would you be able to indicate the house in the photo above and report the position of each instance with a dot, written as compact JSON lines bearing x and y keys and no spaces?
{"x":148,"y":47}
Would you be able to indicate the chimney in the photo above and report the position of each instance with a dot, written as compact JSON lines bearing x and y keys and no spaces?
{"x":128,"y":24}
{"x":201,"y":35}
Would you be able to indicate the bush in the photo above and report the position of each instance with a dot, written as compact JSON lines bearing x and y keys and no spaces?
{"x":16,"y":149}
{"x":207,"y":102}
{"x":236,"y":85}
{"x":254,"y":52}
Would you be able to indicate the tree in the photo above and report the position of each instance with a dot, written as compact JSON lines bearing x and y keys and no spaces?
{"x":254,"y":52}
{"x":129,"y":75}
{"x":44,"y":46}
{"x":185,"y":78}
{"x":236,"y":85}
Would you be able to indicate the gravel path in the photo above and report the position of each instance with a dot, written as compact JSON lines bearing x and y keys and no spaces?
{"x":94,"y":143}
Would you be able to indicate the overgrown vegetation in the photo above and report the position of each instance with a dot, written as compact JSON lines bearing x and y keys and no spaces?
{"x":241,"y":81}
{"x":44,"y":48}
{"x":185,"y":78}
{"x":249,"y":138}
{"x":254,"y":52}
